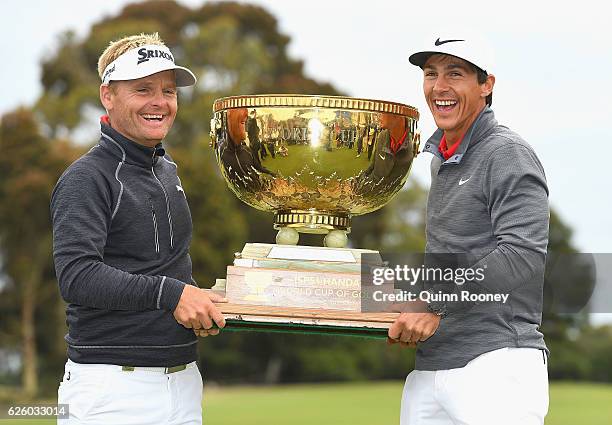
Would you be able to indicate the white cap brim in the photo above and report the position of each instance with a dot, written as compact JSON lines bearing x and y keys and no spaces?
{"x":144,"y":61}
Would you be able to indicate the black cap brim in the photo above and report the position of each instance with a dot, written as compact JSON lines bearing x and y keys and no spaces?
{"x":420,"y":59}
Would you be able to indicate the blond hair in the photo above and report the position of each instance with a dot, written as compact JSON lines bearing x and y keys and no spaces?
{"x":118,"y":47}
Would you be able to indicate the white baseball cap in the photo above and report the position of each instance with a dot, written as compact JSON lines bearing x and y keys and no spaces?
{"x":468,"y":47}
{"x":143,"y":61}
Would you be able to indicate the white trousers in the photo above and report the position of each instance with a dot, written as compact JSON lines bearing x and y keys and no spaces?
{"x":502,"y":387}
{"x":103,"y":394}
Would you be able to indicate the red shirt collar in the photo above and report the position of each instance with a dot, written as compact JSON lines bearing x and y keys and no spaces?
{"x":105,"y":119}
{"x":445,"y":150}
{"x":395,"y":144}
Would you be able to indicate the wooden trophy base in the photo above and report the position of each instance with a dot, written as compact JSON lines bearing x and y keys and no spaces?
{"x":278,"y":288}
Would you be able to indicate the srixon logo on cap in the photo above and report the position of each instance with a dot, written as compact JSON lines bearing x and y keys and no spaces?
{"x":145,"y":54}
{"x":108,"y":72}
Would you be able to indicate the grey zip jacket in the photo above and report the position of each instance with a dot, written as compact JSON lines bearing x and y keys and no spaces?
{"x":121,"y":235}
{"x":489,"y":203}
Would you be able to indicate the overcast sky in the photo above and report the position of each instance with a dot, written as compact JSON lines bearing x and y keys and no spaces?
{"x":553,"y":67}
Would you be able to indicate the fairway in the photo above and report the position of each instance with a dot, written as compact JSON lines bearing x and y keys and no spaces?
{"x":364,"y":403}
{"x":374,"y":403}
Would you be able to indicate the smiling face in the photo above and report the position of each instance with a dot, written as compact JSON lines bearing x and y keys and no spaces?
{"x":142,"y":110}
{"x":453,"y":93}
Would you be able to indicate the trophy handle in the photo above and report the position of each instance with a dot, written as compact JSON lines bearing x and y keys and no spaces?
{"x":416,"y":143}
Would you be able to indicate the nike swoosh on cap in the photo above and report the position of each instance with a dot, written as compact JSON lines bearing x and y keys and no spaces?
{"x":439,"y":43}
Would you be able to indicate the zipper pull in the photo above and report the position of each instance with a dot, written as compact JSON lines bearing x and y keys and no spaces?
{"x":157,"y":151}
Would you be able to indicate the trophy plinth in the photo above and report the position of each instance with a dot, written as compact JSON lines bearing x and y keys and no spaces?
{"x":278,"y":287}
{"x":315,"y":162}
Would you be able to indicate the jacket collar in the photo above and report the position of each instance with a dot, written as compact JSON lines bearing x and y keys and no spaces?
{"x":128,"y":151}
{"x":482,"y":126}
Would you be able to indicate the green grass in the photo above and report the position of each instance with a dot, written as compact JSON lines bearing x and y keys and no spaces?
{"x":338,"y":404}
{"x":584,"y":404}
{"x":365,"y":403}
{"x":374,"y":403}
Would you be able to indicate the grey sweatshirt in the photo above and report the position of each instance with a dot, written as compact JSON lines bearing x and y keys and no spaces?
{"x":121,"y":235}
{"x":489,"y":202}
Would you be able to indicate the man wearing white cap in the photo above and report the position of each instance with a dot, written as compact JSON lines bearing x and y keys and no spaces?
{"x":478,"y":362}
{"x":121,"y":234}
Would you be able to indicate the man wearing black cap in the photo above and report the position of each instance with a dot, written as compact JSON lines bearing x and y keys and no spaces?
{"x":121,"y":235}
{"x":478,"y":362}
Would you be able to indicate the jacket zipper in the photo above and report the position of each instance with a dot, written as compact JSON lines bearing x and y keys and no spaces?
{"x":155,"y":227}
{"x":167,"y":202}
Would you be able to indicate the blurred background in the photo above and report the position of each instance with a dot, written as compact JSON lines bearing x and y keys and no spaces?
{"x":554,"y":75}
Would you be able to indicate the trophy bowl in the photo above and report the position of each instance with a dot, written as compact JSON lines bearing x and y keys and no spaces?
{"x":314,"y":161}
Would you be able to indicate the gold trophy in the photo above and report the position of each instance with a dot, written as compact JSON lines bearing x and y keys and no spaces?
{"x":314,"y":162}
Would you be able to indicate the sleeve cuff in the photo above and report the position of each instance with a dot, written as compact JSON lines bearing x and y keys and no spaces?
{"x":170,"y":291}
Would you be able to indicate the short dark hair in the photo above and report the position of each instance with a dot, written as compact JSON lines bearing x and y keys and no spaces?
{"x":482,"y":75}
